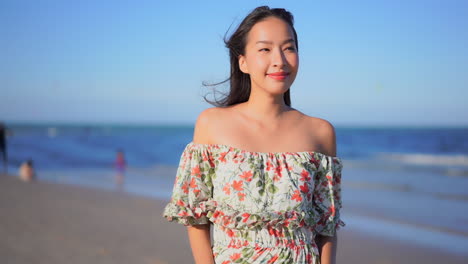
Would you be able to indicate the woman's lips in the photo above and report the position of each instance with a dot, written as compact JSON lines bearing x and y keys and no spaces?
{"x":278,"y":75}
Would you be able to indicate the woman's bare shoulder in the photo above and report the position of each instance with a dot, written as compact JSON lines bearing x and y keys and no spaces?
{"x":206,"y":124}
{"x":311,"y":122}
{"x":324,"y":132}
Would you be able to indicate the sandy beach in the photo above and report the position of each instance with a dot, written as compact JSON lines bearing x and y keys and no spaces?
{"x":44,"y":222}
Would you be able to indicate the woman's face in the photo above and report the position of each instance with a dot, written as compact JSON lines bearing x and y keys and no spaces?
{"x":270,"y":58}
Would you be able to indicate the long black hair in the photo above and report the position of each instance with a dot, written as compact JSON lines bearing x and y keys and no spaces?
{"x":239,"y":90}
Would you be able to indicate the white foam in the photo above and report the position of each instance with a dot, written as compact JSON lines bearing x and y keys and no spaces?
{"x":427,"y":159}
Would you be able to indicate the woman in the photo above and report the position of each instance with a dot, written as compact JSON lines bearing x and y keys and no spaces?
{"x":263,"y":173}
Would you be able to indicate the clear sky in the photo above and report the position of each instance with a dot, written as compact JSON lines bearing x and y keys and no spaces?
{"x":361,"y":62}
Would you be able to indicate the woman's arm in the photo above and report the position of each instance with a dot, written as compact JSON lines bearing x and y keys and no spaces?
{"x":199,"y":235}
{"x":200,"y":242}
{"x":327,"y":245}
{"x":327,"y":248}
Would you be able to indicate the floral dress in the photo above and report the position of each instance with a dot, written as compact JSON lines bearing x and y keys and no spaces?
{"x":264,"y":207}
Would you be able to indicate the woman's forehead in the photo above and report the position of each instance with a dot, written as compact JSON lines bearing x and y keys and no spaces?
{"x":271,"y":30}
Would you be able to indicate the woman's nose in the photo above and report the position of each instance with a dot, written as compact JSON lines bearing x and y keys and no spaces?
{"x":278,"y":59}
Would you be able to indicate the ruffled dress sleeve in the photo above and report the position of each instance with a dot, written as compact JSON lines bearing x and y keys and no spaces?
{"x":192,"y":194}
{"x":327,"y":196}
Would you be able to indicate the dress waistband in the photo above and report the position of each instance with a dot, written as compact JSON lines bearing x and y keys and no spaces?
{"x":264,"y":238}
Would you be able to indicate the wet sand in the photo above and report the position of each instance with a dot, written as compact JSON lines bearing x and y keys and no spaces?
{"x":53,"y":223}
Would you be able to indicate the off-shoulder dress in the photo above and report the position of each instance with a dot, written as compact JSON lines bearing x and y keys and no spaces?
{"x":264,"y":207}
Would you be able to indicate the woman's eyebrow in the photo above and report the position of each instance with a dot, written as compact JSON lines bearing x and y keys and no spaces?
{"x":270,"y":42}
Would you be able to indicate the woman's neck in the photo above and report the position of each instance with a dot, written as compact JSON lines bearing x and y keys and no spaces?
{"x":265,"y":108}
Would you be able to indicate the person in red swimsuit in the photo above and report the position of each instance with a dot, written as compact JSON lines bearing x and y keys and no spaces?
{"x":120,"y":165}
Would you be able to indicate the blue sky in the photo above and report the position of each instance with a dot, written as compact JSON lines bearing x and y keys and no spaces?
{"x":143,"y":62}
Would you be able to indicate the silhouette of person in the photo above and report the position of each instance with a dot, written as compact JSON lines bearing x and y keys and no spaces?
{"x":3,"y":147}
{"x":120,"y":165}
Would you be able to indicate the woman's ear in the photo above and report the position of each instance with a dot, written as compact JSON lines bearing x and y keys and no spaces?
{"x":243,"y":64}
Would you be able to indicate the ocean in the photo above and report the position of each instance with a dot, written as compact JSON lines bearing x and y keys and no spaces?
{"x":403,"y":178}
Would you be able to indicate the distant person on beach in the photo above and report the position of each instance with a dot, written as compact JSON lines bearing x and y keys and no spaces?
{"x":27,"y":172}
{"x":3,"y":147}
{"x":262,"y":174}
{"x":120,"y":165}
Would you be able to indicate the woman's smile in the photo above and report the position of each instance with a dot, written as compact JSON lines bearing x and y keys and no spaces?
{"x":278,"y":75}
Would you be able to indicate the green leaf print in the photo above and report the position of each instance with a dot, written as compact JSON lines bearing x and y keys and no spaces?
{"x":260,"y":183}
{"x":247,"y":253}
{"x":272,"y":188}
{"x":281,"y":255}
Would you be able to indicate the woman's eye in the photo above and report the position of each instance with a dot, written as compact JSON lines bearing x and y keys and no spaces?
{"x":264,"y":49}
{"x":291,"y":48}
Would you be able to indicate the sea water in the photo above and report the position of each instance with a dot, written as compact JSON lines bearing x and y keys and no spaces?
{"x":404,"y":176}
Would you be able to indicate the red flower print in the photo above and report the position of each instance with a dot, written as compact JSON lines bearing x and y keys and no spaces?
{"x":216,"y":214}
{"x":280,"y":233}
{"x":193,"y":184}
{"x":211,"y":162}
{"x":315,"y":162}
{"x":273,"y":259}
{"x":278,"y":171}
{"x":226,"y":221}
{"x":183,"y":213}
{"x":305,"y":175}
{"x":236,"y":158}
{"x":180,"y":203}
{"x":196,"y":171}
{"x":304,"y":188}
{"x":271,"y":231}
{"x":205,"y":157}
{"x":235,"y":256}
{"x":269,"y":166}
{"x":226,"y":262}
{"x":246,"y":217}
{"x":331,"y":210}
{"x":241,"y":196}
{"x":185,"y":187}
{"x":222,"y":157}
{"x":237,"y":185}
{"x":329,"y":177}
{"x":227,"y":189}
{"x":337,"y":197}
{"x":319,"y":199}
{"x":247,"y":176}
{"x":230,"y":233}
{"x":296,"y":196}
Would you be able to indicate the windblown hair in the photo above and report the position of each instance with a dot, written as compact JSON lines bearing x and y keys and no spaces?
{"x":239,"y":90}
